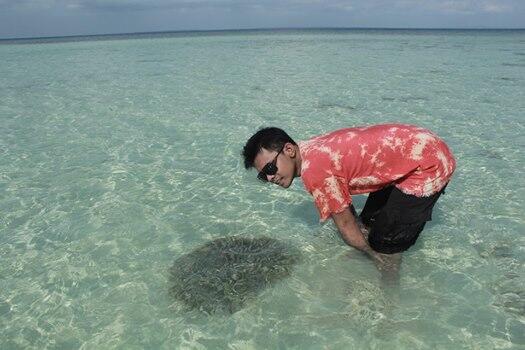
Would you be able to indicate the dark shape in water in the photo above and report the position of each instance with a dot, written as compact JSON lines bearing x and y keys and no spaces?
{"x":413,"y":98}
{"x":501,"y":250}
{"x":386,"y":98}
{"x":222,"y":275}
{"x":336,"y":105}
{"x":508,"y":64}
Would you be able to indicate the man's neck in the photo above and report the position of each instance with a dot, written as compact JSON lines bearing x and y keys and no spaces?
{"x":298,"y":162}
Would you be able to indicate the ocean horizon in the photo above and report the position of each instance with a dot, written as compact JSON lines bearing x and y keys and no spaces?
{"x":208,"y":32}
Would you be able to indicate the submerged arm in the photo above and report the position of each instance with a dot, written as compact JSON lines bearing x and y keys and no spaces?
{"x":350,"y":231}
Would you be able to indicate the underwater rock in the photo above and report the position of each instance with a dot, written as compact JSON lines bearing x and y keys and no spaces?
{"x":500,"y":250}
{"x":224,"y":274}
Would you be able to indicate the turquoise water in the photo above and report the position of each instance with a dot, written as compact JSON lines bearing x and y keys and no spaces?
{"x":119,"y":156}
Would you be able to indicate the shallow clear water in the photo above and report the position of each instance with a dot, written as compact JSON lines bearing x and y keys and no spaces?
{"x":119,"y":156}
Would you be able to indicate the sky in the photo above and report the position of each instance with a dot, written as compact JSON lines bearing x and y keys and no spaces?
{"x":37,"y":18}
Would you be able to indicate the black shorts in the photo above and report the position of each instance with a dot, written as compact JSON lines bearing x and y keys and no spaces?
{"x":396,"y":219}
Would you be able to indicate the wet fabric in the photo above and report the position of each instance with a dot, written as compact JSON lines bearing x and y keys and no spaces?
{"x":359,"y":160}
{"x":395,"y":219}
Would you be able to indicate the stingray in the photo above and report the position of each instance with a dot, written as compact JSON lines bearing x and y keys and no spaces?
{"x":223,"y":275}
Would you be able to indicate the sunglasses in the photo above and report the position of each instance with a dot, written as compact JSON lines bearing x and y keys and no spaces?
{"x":270,"y":168}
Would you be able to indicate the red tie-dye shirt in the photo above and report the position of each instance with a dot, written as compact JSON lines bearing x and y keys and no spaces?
{"x":352,"y":161}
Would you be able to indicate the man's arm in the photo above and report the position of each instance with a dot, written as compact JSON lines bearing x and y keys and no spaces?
{"x":350,"y":231}
{"x":353,"y":236}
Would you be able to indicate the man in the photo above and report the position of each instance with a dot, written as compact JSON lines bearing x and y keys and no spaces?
{"x":405,"y":169}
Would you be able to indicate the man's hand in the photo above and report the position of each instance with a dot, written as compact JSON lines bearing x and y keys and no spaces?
{"x":356,"y":236}
{"x":388,"y":265}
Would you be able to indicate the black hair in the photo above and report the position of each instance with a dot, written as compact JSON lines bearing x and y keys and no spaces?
{"x":272,"y":139}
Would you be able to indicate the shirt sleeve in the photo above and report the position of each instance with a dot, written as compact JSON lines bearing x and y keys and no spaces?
{"x":331,"y":195}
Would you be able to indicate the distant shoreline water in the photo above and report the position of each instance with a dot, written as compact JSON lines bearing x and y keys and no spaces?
{"x":254,"y":31}
{"x":118,"y":157}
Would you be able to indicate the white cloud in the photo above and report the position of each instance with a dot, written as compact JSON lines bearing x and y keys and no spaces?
{"x":457,"y":6}
{"x":496,"y":8}
{"x":446,"y":6}
{"x":59,"y":17}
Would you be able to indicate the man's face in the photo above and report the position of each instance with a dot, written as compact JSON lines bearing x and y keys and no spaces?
{"x":284,"y":161}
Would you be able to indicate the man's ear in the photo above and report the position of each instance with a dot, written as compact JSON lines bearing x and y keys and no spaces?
{"x":290,"y":150}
